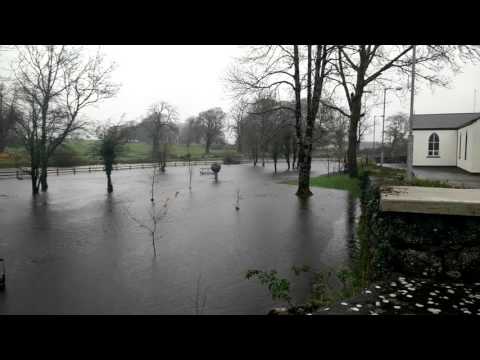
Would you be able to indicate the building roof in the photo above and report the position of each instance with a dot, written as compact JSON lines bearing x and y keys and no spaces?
{"x":443,"y":121}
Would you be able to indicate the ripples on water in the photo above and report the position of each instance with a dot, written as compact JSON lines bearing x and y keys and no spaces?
{"x":75,"y":250}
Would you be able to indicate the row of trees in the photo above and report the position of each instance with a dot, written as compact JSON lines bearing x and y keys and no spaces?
{"x":308,"y":76}
{"x":51,"y":87}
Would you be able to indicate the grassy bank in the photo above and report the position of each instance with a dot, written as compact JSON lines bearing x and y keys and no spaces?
{"x":80,"y":152}
{"x":384,"y":175}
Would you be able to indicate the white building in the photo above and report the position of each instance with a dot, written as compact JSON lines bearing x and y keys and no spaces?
{"x":447,"y":140}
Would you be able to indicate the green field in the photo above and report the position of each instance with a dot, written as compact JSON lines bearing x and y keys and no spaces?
{"x":81,"y":152}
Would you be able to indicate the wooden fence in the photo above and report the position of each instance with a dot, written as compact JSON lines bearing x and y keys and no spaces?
{"x":22,"y":172}
{"x":333,"y":166}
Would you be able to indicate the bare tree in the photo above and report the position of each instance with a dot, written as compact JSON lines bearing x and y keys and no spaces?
{"x":282,"y":69}
{"x":396,"y":132}
{"x":162,"y":119}
{"x":156,"y":214}
{"x":358,"y":66}
{"x":9,"y":113}
{"x":57,"y":84}
{"x":212,"y":122}
{"x":238,"y":115}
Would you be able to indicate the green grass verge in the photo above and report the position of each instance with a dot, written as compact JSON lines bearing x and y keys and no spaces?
{"x":338,"y":182}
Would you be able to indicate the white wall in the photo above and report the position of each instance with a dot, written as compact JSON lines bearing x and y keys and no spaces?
{"x":447,"y":148}
{"x":472,"y":163}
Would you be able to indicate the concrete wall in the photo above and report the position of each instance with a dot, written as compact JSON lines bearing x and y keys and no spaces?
{"x":472,"y":163}
{"x":447,"y":150}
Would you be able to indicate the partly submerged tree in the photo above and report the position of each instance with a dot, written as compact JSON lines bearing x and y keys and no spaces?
{"x":56,"y":83}
{"x":280,"y":69}
{"x":110,"y":145}
{"x":162,"y":122}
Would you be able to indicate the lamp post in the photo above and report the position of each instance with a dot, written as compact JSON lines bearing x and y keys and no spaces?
{"x":383,"y":121}
{"x":410,"y":122}
{"x":374,"y":125}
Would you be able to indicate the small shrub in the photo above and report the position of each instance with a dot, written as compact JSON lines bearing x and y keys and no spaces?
{"x":231,"y":157}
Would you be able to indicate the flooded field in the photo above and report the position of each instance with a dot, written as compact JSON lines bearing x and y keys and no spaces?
{"x":76,"y":250}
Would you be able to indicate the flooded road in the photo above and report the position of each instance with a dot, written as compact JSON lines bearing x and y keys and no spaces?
{"x":76,"y":250}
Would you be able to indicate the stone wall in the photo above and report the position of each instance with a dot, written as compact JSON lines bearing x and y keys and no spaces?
{"x":423,"y":245}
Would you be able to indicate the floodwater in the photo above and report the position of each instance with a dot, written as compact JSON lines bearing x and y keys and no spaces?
{"x":76,"y":250}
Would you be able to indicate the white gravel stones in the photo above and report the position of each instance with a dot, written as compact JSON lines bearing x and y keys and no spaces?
{"x":467,"y":312}
{"x":393,"y":284}
{"x":344,"y":303}
{"x":424,"y":273}
{"x":393,"y":295}
{"x":450,"y":291}
{"x":397,"y":307}
{"x":455,"y":306}
{"x":359,"y":305}
{"x":373,"y":313}
{"x":326,"y":309}
{"x":434,"y":311}
{"x":419,"y":305}
{"x":377,"y":287}
{"x":377,"y":303}
{"x":385,"y":301}
{"x":409,"y":296}
{"x":430,"y":302}
{"x":368,"y":292}
{"x":354,"y":309}
{"x":432,"y":293}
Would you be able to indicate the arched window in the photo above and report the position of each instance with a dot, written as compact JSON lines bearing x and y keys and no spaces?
{"x":433,"y":145}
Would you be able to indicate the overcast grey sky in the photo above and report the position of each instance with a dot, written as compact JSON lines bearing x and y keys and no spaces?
{"x":191,"y":78}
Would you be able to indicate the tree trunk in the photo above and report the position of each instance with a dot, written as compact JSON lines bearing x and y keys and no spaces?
{"x":155,"y":149}
{"x":287,"y":159}
{"x":3,"y":144}
{"x":294,"y":154}
{"x":207,"y":145}
{"x":109,"y":183}
{"x":275,"y":164}
{"x":43,"y":177}
{"x":352,"y":137}
{"x":34,"y":175}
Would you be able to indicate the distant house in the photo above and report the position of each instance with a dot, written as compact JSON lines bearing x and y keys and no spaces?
{"x":447,"y":140}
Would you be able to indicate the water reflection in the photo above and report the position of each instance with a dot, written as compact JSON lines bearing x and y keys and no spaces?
{"x":90,"y":257}
{"x":353,"y":212}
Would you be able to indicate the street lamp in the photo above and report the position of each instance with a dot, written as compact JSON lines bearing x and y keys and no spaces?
{"x":383,"y":122}
{"x":374,"y":124}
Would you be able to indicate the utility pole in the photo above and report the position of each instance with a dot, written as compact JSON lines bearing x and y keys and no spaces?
{"x":410,"y":123}
{"x":383,"y":126}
